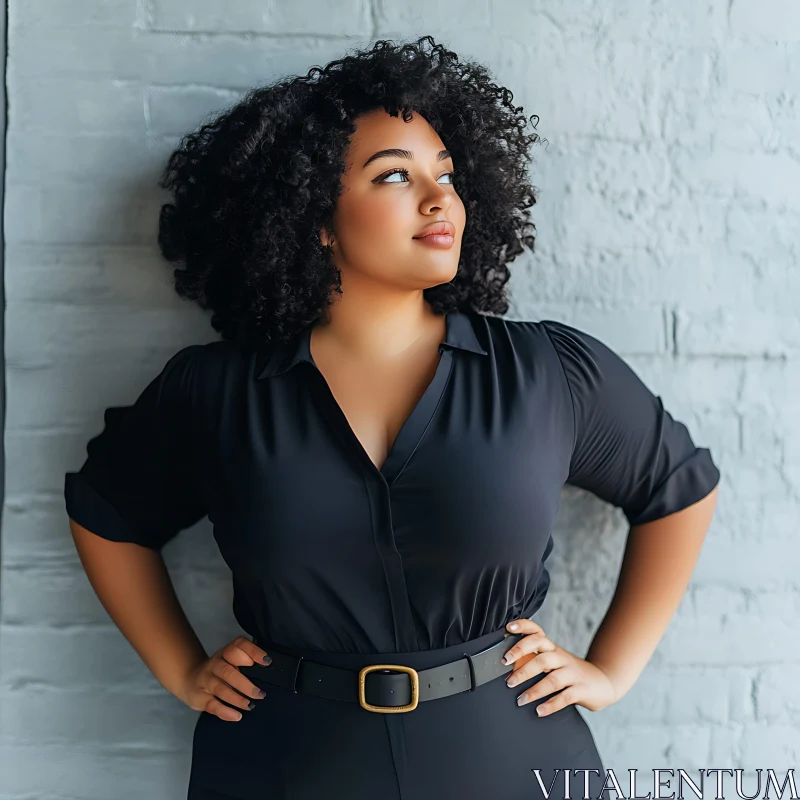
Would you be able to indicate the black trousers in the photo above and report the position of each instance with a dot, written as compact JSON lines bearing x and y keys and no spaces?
{"x":478,"y":744}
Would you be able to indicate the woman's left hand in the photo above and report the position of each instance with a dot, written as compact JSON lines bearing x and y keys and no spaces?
{"x":579,"y":681}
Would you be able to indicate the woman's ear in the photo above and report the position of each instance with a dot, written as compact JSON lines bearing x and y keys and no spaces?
{"x":327,"y":239}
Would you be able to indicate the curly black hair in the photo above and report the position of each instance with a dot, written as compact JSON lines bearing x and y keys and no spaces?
{"x":252,"y":188}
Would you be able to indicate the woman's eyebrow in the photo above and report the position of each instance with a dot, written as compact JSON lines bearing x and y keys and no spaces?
{"x":396,"y":153}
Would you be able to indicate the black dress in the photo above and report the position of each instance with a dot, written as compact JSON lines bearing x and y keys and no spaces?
{"x":417,"y":562}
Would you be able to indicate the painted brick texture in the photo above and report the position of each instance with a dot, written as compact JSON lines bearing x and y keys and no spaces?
{"x":667,"y":225}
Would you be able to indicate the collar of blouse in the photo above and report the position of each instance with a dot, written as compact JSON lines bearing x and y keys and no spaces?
{"x":460,"y":333}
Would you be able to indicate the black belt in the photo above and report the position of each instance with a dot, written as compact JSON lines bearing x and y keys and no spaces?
{"x":385,"y":688}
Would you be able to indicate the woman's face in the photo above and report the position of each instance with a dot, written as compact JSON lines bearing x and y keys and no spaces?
{"x":388,"y":201}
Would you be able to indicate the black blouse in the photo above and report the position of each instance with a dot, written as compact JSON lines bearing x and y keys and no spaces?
{"x":447,"y":541}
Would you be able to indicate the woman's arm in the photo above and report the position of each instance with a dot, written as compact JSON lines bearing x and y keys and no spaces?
{"x":135,"y":589}
{"x":658,"y":562}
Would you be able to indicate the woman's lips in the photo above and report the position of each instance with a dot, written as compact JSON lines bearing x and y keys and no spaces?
{"x":436,"y":240}
{"x":440,"y":233}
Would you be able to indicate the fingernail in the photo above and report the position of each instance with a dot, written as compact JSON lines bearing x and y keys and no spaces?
{"x":262,"y":693}
{"x":513,"y":626}
{"x":251,"y":705}
{"x":267,"y":659}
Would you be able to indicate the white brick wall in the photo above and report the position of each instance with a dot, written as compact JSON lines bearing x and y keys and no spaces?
{"x":667,"y":225}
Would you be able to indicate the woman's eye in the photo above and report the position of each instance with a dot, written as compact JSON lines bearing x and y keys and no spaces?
{"x":399,"y":172}
{"x":403,"y":173}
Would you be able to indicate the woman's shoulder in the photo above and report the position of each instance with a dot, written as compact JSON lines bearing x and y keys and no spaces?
{"x":551,"y":334}
{"x":498,"y":324}
{"x":528,"y":335}
{"x":199,"y":373}
{"x":573,"y":356}
{"x":209,"y":359}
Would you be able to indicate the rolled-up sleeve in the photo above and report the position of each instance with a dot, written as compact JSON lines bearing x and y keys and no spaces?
{"x":627,"y":448}
{"x":139,"y":482}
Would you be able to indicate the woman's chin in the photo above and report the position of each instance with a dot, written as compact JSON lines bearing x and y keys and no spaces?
{"x":440,"y":273}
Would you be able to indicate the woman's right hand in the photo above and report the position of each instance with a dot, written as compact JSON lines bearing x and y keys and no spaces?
{"x":211,"y":680}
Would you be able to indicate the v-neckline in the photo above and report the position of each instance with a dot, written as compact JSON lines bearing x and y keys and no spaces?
{"x":411,"y":431}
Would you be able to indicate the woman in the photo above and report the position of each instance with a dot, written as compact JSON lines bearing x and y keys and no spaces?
{"x":381,"y":454}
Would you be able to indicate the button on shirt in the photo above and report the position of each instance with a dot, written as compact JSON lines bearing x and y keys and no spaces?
{"x":447,"y":541}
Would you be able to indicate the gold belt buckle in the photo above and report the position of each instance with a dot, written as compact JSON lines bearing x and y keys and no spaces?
{"x":362,"y":683}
